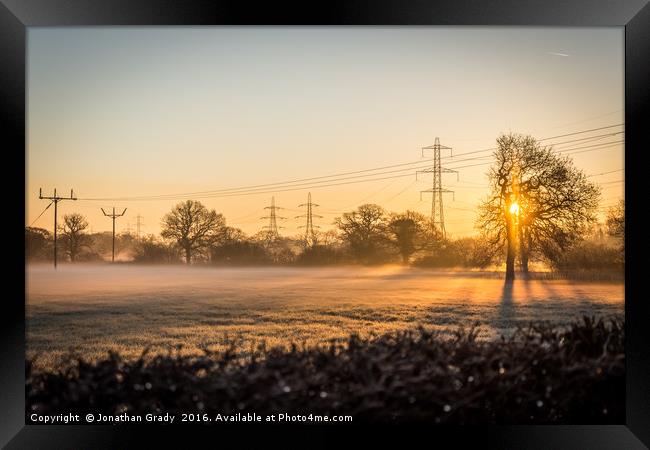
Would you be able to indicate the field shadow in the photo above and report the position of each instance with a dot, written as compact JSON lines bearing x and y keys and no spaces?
{"x":506,"y":311}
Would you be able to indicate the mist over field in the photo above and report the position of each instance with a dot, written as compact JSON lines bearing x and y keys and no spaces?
{"x":92,"y":309}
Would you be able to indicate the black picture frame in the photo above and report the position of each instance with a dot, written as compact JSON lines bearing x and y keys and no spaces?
{"x":634,"y":15}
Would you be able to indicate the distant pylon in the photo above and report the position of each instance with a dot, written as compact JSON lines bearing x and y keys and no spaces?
{"x":138,"y":225}
{"x":437,"y":211}
{"x":310,"y":236}
{"x":272,"y":228}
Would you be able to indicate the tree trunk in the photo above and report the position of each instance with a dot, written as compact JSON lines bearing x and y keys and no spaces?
{"x":524,"y":262}
{"x":524,"y":250}
{"x":188,"y":255}
{"x":511,"y":240}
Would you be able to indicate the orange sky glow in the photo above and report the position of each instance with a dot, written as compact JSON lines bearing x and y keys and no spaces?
{"x":143,"y":117}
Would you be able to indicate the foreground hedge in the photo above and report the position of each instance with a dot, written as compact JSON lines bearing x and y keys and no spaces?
{"x":539,"y":375}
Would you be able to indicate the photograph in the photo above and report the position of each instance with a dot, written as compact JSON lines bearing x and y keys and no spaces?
{"x":325,"y":224}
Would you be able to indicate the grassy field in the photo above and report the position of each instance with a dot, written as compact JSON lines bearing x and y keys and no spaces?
{"x":94,"y":309}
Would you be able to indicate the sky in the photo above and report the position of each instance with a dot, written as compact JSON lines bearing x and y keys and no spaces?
{"x":124,"y":115}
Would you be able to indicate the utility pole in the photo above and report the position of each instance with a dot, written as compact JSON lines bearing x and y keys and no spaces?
{"x":113,"y":216}
{"x":138,"y":224}
{"x":437,"y":212}
{"x":272,"y":227}
{"x":310,"y":236}
{"x":55,"y":199}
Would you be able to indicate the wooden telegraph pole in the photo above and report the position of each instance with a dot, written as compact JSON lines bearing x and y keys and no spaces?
{"x":55,"y":199}
{"x":113,"y":216}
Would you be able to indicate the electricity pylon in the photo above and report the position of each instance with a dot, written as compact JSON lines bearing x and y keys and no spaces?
{"x":310,"y":236}
{"x":55,"y":199}
{"x":138,"y":225}
{"x":272,"y":228}
{"x":113,"y":216}
{"x":437,"y":211}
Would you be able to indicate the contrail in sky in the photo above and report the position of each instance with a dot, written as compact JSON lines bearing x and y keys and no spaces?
{"x":558,"y":54}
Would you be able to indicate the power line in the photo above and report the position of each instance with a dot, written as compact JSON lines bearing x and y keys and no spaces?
{"x":605,"y":173}
{"x":567,"y":150}
{"x":613,"y":182}
{"x":42,"y":212}
{"x":585,"y":120}
{"x":330,"y":179}
{"x":555,"y":149}
{"x":247,"y":188}
{"x":539,"y":140}
{"x":581,"y":132}
{"x":400,"y":192}
{"x":306,"y":187}
{"x":236,"y":191}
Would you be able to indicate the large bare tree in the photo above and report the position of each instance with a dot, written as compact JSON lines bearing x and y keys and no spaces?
{"x":193,"y":227}
{"x":539,"y":201}
{"x":364,"y":231}
{"x":73,"y":235}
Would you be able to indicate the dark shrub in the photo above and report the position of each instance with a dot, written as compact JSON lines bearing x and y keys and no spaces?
{"x":539,"y":375}
{"x":240,"y":252}
{"x":320,"y":255}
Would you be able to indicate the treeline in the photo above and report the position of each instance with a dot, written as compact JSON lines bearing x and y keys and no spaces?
{"x":194,"y":234}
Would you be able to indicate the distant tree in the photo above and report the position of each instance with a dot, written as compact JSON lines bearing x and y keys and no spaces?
{"x":73,"y":235}
{"x":232,"y":234}
{"x":616,"y":220}
{"x":616,"y":225}
{"x":408,"y":232}
{"x":150,"y":250}
{"x":589,"y":255}
{"x":38,"y":242}
{"x":236,"y":248}
{"x":462,"y":252}
{"x":539,"y":201}
{"x":365,"y":232}
{"x":328,"y":238}
{"x":193,"y":227}
{"x":241,"y":252}
{"x":319,"y":254}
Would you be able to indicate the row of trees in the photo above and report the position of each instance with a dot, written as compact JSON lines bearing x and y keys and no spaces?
{"x":367,"y":235}
{"x":540,"y":207}
{"x":193,"y":233}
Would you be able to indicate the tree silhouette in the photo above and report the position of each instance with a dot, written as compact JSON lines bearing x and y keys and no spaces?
{"x":38,"y":243}
{"x":616,"y":220}
{"x":408,"y":233}
{"x":73,"y":234}
{"x":616,"y":224}
{"x":193,"y":227}
{"x":539,"y":201}
{"x":365,"y":231}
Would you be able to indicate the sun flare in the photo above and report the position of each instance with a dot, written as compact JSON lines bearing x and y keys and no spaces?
{"x":514,"y":209}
